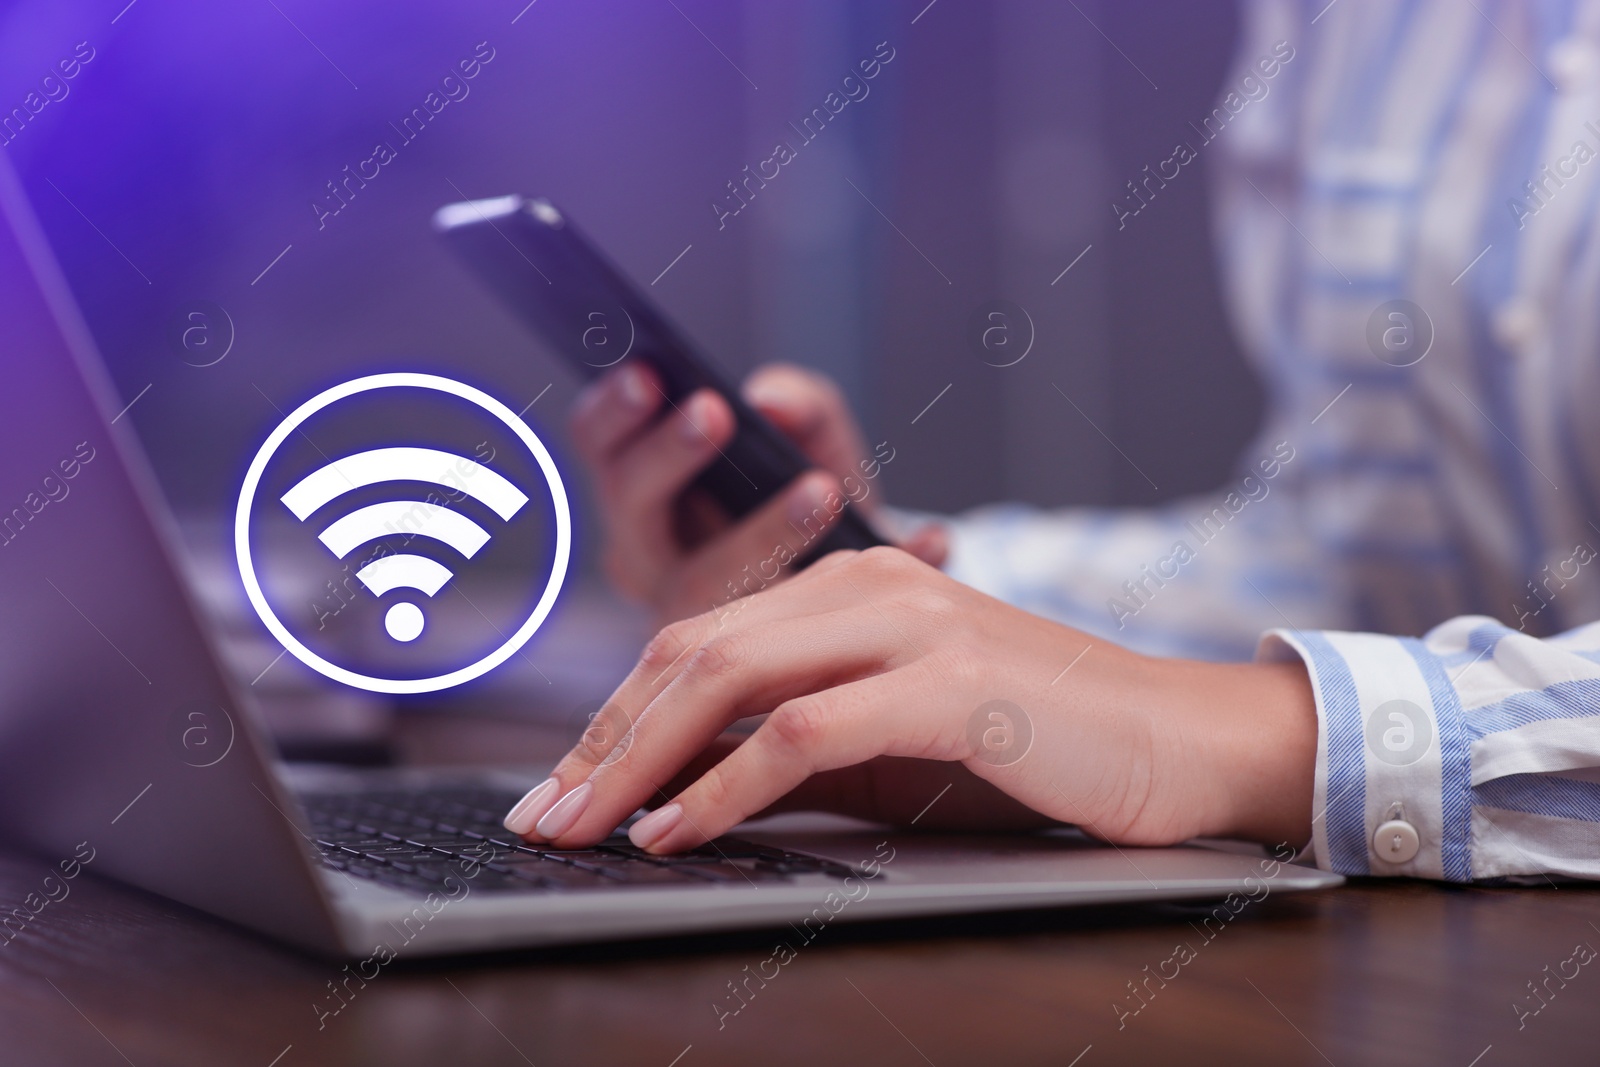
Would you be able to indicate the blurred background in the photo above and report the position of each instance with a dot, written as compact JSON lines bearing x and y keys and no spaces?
{"x":188,"y":169}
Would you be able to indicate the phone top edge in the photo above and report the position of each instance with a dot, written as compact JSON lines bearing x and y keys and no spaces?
{"x":472,"y":212}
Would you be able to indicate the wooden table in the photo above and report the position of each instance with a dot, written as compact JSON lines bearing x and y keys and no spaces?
{"x":1373,"y":973}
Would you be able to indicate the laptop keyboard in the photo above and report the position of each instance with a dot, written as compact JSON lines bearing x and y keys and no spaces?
{"x":415,"y":840}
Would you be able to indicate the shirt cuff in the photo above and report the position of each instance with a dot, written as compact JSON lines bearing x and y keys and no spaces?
{"x":1393,"y":776}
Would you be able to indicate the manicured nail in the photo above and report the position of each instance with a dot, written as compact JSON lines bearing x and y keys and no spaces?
{"x":631,"y":385}
{"x":767,"y":394}
{"x":697,"y":420}
{"x":525,"y":812}
{"x":808,"y":497}
{"x":655,"y":826}
{"x":559,"y":819}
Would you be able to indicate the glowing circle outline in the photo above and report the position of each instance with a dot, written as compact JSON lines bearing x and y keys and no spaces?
{"x":398,"y":380}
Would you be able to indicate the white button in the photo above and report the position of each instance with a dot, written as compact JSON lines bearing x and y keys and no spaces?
{"x":1396,"y":841}
{"x":1516,"y":324}
{"x":1574,"y":63}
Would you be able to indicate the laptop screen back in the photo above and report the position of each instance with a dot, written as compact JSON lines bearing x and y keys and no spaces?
{"x":119,"y":736}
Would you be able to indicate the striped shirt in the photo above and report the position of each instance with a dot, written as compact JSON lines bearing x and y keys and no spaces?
{"x":1406,"y":210}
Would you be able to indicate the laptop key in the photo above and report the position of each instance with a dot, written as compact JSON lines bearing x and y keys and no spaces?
{"x":449,"y":841}
{"x":395,"y":850}
{"x":505,"y":841}
{"x":649,"y":874}
{"x":587,"y":855}
{"x":726,"y":872}
{"x":565,"y":876}
{"x":522,"y":861}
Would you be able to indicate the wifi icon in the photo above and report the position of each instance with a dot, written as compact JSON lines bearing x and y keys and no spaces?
{"x":404,"y":621}
{"x":415,"y":541}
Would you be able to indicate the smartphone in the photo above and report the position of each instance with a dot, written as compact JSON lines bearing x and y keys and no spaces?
{"x":558,"y":282}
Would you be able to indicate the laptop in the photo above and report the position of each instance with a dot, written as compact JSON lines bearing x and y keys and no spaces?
{"x":128,"y":750}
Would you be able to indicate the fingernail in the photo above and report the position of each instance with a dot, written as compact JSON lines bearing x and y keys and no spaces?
{"x":766,"y":394}
{"x":655,"y":826}
{"x":631,"y":386}
{"x":809,"y":496}
{"x":559,"y":819}
{"x":696,"y":420}
{"x":525,"y":812}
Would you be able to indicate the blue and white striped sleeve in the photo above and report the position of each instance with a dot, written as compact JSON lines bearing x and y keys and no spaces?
{"x":1473,"y":753}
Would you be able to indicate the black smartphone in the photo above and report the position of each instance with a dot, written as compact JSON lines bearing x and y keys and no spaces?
{"x":531,"y":255}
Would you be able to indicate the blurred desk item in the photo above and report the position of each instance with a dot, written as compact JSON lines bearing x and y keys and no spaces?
{"x":1374,"y":973}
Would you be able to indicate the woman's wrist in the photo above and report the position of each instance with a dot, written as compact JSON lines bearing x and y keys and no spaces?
{"x":1251,"y":731}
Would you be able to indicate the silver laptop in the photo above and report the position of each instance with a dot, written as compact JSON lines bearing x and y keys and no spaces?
{"x":127,"y":750}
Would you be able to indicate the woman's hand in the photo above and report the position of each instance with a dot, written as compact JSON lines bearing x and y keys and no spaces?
{"x":872,"y":664}
{"x":676,"y":551}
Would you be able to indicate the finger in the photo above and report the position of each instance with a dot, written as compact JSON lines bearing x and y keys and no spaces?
{"x":651,"y":469}
{"x":930,"y":544}
{"x":612,"y":410}
{"x":763,"y":547}
{"x":920,"y":793}
{"x":640,"y":481}
{"x":820,"y":731}
{"x":670,"y":649}
{"x":811,"y":410}
{"x":731,"y":676}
